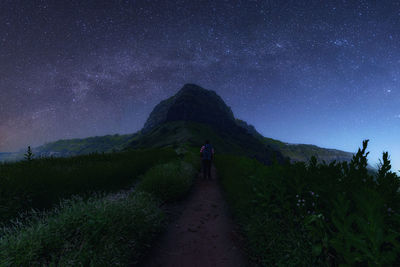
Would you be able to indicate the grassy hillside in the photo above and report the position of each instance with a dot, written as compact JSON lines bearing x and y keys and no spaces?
{"x":42,"y":183}
{"x":302,"y":152}
{"x":104,"y":229}
{"x":73,"y":147}
{"x":193,"y":134}
{"x":246,"y":141}
{"x":192,"y":115}
{"x":298,"y":152}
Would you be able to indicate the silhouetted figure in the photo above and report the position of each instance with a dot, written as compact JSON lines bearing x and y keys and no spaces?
{"x":207,"y":154}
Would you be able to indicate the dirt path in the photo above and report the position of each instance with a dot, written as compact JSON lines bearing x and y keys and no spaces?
{"x":202,"y":235}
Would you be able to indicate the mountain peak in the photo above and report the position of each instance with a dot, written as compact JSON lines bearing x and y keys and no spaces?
{"x":191,"y":86}
{"x":192,"y":103}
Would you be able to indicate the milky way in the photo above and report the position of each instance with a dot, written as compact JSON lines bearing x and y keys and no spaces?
{"x":320,"y":72}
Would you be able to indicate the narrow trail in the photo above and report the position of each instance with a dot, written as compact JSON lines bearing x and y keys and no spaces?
{"x":202,"y":235}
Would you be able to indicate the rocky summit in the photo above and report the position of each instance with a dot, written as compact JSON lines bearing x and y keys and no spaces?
{"x":192,"y":103}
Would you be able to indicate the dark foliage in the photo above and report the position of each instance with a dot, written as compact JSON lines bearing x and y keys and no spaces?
{"x":316,"y":213}
{"x":42,"y":183}
{"x":29,"y":155}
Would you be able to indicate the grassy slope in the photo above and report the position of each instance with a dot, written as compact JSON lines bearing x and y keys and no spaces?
{"x":179,"y":132}
{"x":193,"y":134}
{"x":102,"y":231}
{"x":43,"y":182}
{"x":96,"y":232}
{"x":71,"y":147}
{"x":302,"y":152}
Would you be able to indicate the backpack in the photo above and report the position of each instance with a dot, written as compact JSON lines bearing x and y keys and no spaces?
{"x":207,"y":152}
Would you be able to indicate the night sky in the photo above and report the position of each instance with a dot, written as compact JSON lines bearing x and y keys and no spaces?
{"x":316,"y":72}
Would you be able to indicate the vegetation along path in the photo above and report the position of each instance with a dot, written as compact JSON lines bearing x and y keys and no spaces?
{"x":203,"y":234}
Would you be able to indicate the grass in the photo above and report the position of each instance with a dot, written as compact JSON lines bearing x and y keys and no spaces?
{"x":42,"y":183}
{"x":237,"y":141}
{"x":96,"y":232}
{"x":103,"y":230}
{"x":273,"y":237}
{"x":315,"y":214}
{"x":168,"y":181}
{"x":70,"y":147}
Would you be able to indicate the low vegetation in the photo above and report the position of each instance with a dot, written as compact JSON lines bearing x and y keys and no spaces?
{"x":316,"y":214}
{"x":97,"y":144}
{"x":100,"y":230}
{"x":168,"y":181}
{"x":172,"y":180}
{"x":96,"y":232}
{"x":42,"y":183}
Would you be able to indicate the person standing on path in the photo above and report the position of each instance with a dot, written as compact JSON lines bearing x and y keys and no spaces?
{"x":207,"y":155}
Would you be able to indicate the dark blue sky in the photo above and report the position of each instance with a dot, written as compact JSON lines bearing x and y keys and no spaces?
{"x":316,"y":72}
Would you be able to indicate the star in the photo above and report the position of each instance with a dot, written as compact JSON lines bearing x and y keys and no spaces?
{"x":103,"y":66}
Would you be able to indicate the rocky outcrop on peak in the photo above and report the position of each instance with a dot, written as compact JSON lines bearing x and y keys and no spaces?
{"x":192,"y":103}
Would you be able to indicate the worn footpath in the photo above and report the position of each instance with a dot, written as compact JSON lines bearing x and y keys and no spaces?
{"x":202,"y":234}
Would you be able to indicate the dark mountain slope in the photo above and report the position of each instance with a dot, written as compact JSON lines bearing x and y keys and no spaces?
{"x":189,"y":117}
{"x":72,"y":147}
{"x":179,"y":133}
{"x":192,"y":103}
{"x":298,"y":152}
{"x":195,"y":114}
{"x":303,"y":152}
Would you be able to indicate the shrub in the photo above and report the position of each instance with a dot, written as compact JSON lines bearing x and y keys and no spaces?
{"x":42,"y":183}
{"x":93,"y":232}
{"x":168,"y":181}
{"x":316,"y":214}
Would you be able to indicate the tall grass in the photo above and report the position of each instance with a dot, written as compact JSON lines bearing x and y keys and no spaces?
{"x":316,"y":214}
{"x":168,"y":181}
{"x":103,"y":230}
{"x":42,"y":183}
{"x":96,"y":232}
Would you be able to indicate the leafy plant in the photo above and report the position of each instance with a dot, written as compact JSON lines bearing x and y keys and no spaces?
{"x":340,"y":213}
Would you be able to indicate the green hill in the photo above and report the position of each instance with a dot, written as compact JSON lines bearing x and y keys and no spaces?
{"x":189,"y":117}
{"x":73,"y":147}
{"x":177,"y":133}
{"x":303,"y":152}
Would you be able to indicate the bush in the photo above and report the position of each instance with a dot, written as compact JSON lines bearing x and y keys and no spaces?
{"x":42,"y":183}
{"x":168,"y":181}
{"x":93,"y":232}
{"x":316,"y":214}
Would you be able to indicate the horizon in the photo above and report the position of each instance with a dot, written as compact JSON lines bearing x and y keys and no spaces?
{"x":371,"y":162}
{"x":325,"y":74}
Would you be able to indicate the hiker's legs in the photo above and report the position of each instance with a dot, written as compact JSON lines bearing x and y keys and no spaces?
{"x":209,"y":169}
{"x":204,"y":168}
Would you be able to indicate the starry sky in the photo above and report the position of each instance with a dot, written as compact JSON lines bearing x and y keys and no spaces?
{"x":315,"y":72}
